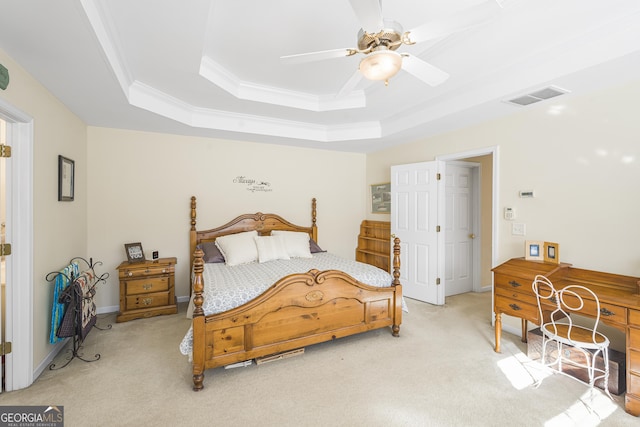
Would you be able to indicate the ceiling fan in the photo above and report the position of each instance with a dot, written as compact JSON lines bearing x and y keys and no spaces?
{"x":379,"y":38}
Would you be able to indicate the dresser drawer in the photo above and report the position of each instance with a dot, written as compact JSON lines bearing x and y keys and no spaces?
{"x":634,"y":317}
{"x":520,"y":309}
{"x":633,"y":357}
{"x":147,"y":285}
{"x":634,"y":338}
{"x":147,"y":300}
{"x":149,"y":270}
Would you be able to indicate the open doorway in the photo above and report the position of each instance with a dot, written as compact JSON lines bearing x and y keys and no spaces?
{"x":482,"y":165}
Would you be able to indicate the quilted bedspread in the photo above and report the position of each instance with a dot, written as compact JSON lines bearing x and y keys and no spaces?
{"x":229,"y":287}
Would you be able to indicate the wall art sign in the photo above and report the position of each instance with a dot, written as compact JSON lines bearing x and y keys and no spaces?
{"x":253,"y":185}
{"x":66,"y":179}
{"x":381,"y":198}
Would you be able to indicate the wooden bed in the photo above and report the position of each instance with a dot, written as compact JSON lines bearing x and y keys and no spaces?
{"x":296,"y":311}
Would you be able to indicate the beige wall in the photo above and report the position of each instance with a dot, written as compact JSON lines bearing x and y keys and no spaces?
{"x":583,"y":164}
{"x":141,"y":185}
{"x":59,"y":228}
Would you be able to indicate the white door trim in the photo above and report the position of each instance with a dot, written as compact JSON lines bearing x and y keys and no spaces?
{"x":19,"y":292}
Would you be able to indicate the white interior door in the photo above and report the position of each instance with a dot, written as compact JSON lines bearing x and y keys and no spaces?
{"x":459,"y":225}
{"x":417,"y":198}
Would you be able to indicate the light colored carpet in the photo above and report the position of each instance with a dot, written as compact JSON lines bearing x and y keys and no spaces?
{"x":442,"y":371}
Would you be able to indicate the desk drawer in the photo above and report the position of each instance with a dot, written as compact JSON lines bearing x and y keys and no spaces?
{"x":517,"y":296}
{"x":634,"y":361}
{"x":513,"y":283}
{"x":516,"y":308}
{"x":148,"y":285}
{"x":147,"y":300}
{"x":608,"y":312}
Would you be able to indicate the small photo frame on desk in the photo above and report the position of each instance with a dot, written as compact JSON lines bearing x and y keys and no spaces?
{"x":534,"y":250}
{"x":551,"y":252}
{"x":134,"y":252}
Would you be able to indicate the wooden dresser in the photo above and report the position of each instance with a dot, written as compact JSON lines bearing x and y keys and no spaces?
{"x":619,"y":306}
{"x":147,"y":289}
{"x":374,"y":244}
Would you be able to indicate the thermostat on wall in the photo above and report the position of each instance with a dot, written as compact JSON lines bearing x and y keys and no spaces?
{"x":527,"y":193}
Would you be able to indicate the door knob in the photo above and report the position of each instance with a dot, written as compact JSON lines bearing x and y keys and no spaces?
{"x":472,"y":236}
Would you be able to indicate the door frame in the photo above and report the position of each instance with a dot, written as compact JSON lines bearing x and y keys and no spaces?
{"x":495,"y":161}
{"x":19,"y":231}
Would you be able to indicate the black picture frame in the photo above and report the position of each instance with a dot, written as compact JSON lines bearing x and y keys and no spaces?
{"x":66,"y":179}
{"x":134,"y":252}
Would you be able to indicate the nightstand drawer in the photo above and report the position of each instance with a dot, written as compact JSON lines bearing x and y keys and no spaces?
{"x":145,"y":286}
{"x":147,"y":300}
{"x":148,"y":270}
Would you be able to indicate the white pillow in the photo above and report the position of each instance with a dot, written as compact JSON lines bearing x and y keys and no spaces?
{"x":296,"y":242}
{"x":270,"y":248}
{"x":239,"y":248}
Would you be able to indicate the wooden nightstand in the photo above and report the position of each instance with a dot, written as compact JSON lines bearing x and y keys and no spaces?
{"x":147,"y":289}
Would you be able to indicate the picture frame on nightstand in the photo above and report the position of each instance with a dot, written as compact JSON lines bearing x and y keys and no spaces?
{"x":134,"y":252}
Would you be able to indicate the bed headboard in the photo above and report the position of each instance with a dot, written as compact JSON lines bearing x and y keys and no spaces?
{"x":264,"y":223}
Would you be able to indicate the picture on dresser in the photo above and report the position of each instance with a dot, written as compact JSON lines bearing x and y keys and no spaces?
{"x":551,"y":252}
{"x":134,"y":252}
{"x":534,"y":250}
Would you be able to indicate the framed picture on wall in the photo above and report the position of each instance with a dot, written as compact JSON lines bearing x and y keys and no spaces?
{"x":381,"y":198}
{"x":66,"y":179}
{"x":534,"y":250}
{"x":134,"y":252}
{"x":551,"y":252}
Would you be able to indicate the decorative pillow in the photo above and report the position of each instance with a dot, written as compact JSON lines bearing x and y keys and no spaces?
{"x":270,"y":248}
{"x":313,"y":246}
{"x":239,"y":248}
{"x":296,"y":242}
{"x":211,"y":252}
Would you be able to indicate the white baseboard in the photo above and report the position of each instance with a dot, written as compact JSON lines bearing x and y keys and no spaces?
{"x":57,"y":347}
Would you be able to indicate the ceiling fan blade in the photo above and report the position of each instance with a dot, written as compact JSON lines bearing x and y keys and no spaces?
{"x":456,"y":22}
{"x":426,"y":72}
{"x":369,"y":14}
{"x":316,"y":56}
{"x":350,"y":84}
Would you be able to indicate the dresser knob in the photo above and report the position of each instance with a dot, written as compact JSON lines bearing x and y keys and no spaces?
{"x":130,"y":274}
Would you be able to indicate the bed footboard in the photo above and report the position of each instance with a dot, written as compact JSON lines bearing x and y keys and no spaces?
{"x":298,"y":310}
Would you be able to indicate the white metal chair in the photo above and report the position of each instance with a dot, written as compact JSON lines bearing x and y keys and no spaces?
{"x":555,"y":308}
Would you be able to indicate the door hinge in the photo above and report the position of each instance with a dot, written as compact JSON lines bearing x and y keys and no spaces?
{"x":438,"y":176}
{"x":5,"y":348}
{"x":5,"y":150}
{"x":437,"y":228}
{"x":438,"y":281}
{"x":5,"y":249}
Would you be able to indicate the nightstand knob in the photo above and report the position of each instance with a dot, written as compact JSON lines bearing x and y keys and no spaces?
{"x":130,"y":274}
{"x":164,"y":270}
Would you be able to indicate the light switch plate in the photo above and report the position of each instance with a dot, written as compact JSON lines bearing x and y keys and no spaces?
{"x":518,"y":229}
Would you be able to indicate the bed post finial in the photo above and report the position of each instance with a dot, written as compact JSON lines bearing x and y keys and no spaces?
{"x":193,"y":213}
{"x":314,"y":212}
{"x":396,"y":261}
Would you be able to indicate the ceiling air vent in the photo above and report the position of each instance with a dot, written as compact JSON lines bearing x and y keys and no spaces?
{"x":537,"y":96}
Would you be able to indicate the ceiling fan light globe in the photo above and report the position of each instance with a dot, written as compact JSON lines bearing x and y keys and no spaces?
{"x":381,"y":65}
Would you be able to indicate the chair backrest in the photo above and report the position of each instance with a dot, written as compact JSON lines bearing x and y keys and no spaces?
{"x":556,"y":306}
